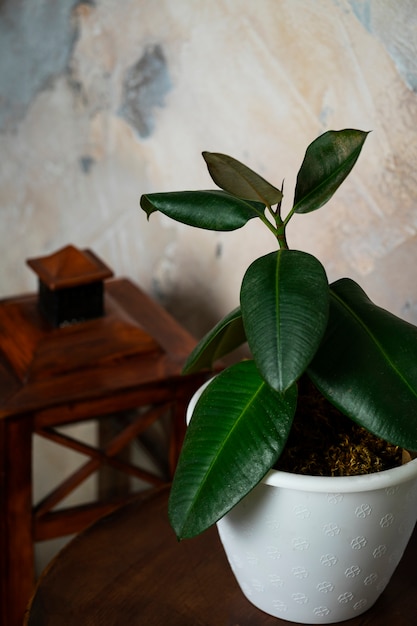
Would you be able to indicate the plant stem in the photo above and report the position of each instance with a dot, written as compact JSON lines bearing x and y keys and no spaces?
{"x":271,"y":227}
{"x":281,"y":237}
{"x":289,"y":216}
{"x":281,"y":225}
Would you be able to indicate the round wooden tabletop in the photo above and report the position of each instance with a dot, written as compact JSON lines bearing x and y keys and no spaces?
{"x":129,"y":569}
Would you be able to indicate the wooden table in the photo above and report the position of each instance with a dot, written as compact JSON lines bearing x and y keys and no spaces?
{"x":124,"y":365}
{"x":128,"y":568}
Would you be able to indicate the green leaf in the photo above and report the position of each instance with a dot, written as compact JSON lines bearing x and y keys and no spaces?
{"x":327,"y":162}
{"x":239,"y":180}
{"x":237,"y":432}
{"x":284,"y":303}
{"x":367,"y":365}
{"x":213,"y":209}
{"x":227,"y":335}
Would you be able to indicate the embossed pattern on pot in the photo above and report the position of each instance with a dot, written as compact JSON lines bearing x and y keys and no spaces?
{"x":330,"y":555}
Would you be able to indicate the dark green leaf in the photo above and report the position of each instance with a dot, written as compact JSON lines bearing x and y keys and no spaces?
{"x":327,"y":162}
{"x":238,"y":430}
{"x":227,"y":335}
{"x":213,"y":210}
{"x":284,"y":303}
{"x":239,"y":180}
{"x":367,"y":365}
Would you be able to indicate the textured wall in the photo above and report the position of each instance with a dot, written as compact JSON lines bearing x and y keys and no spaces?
{"x":102,"y":101}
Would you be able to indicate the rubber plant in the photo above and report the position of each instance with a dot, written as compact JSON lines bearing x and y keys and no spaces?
{"x":359,"y":356}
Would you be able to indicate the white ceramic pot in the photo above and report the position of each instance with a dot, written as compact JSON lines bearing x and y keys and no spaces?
{"x":320,"y":550}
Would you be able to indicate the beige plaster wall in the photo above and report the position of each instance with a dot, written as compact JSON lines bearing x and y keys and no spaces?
{"x":257,"y":80}
{"x":103,"y":101}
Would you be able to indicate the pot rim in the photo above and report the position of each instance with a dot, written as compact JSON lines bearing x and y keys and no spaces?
{"x":328,"y":484}
{"x":342,"y":484}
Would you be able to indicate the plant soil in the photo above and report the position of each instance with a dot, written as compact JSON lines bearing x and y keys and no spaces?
{"x":324,"y":442}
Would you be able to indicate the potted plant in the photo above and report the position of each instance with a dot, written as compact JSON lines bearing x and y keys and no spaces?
{"x":360,"y":358}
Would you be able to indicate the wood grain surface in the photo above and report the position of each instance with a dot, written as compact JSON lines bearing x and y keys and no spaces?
{"x":128,"y":568}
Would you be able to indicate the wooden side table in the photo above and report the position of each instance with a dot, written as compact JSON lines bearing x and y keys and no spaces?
{"x":128,"y":568}
{"x":127,"y":359}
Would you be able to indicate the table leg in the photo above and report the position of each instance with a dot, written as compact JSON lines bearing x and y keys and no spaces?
{"x":16,"y":540}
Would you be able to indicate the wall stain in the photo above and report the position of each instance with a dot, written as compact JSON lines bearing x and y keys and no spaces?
{"x":37,"y":38}
{"x":86,"y":163}
{"x":362,"y":10}
{"x":145,"y":86}
{"x":395,"y":29}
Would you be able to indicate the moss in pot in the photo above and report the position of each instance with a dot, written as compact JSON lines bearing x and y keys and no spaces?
{"x":324,"y":442}
{"x":360,"y":358}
